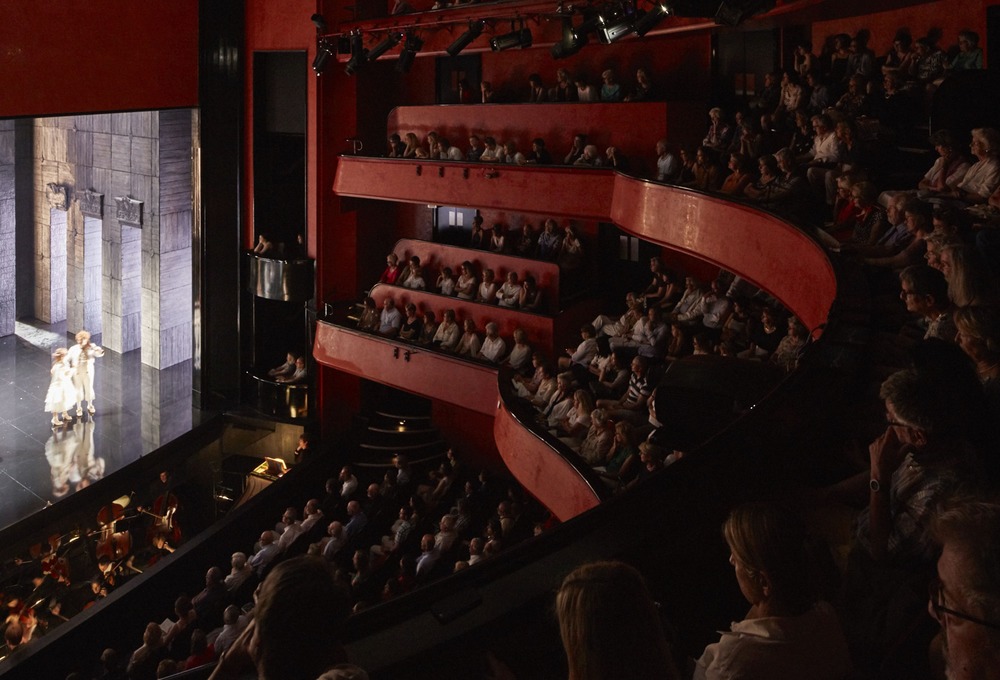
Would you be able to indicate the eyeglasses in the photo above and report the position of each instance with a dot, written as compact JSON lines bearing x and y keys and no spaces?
{"x":906,"y":293}
{"x":936,"y":595}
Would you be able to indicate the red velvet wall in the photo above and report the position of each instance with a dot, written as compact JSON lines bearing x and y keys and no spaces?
{"x":950,"y":16}
{"x":86,"y":56}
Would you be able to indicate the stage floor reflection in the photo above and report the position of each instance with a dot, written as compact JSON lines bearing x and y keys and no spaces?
{"x":139,"y":409}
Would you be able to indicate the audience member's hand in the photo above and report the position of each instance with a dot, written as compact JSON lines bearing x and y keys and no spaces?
{"x":887,"y":452}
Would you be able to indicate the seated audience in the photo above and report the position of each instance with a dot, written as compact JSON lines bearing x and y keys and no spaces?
{"x":390,"y":319}
{"x":493,"y":349}
{"x":788,"y":631}
{"x":469,"y":343}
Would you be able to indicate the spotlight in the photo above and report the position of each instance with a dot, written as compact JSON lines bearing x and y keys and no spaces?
{"x":586,"y":27}
{"x":324,"y":50}
{"x":519,"y":38}
{"x":615,"y":30}
{"x":615,"y":23}
{"x":570,"y":44}
{"x":358,"y":54}
{"x":387,"y":44}
{"x":466,"y":39}
{"x":648,"y":21}
{"x":410,"y":48}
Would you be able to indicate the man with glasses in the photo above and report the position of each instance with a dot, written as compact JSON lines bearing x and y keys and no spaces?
{"x":920,"y":459}
{"x":965,"y":599}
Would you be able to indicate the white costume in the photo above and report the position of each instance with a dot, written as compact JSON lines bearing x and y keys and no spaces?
{"x":82,"y":360}
{"x":61,"y":395}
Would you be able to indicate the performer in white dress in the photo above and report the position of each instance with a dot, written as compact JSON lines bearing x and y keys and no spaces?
{"x":62,"y":394}
{"x":81,"y":358}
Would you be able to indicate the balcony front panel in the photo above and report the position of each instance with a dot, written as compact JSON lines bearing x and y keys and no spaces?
{"x":557,"y":190}
{"x":407,"y":367}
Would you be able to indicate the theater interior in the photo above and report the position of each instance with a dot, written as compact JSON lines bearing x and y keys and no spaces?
{"x":147,"y":150}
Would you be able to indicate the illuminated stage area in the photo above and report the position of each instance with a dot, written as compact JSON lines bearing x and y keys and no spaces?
{"x":138,"y":410}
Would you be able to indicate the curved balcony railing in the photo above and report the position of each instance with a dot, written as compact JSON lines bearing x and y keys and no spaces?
{"x":759,"y":246}
{"x":409,"y":367}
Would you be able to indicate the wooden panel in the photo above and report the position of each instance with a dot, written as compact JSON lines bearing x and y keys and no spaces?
{"x":79,"y":56}
{"x":570,"y":192}
{"x":429,"y":374}
{"x":759,"y":246}
{"x":548,"y":476}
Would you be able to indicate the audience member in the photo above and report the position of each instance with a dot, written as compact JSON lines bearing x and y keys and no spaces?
{"x":610,"y":626}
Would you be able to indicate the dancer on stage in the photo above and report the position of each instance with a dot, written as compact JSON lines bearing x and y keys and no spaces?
{"x":62,"y":393}
{"x":81,"y":358}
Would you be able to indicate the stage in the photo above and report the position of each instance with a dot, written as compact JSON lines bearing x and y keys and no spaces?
{"x":139,"y":409}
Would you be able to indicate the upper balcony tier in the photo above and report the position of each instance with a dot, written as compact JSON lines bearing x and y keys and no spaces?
{"x":759,"y":246}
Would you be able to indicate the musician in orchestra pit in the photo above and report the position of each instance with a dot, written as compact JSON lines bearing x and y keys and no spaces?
{"x":13,"y":636}
{"x":303,"y":451}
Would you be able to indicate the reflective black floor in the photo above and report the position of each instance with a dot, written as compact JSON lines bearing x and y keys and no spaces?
{"x":139,"y":409}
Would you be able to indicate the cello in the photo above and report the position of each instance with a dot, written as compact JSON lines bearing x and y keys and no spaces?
{"x":110,"y":543}
{"x":164,"y":520}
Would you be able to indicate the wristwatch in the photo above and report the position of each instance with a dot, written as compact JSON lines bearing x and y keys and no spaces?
{"x":874,"y":485}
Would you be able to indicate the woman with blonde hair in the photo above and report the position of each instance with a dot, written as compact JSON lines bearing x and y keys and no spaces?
{"x":412,"y":144}
{"x":610,"y":626}
{"x":969,"y":279}
{"x":788,"y":632}
{"x":62,"y":393}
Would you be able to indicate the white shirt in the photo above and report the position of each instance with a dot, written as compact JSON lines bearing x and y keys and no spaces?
{"x":493,"y":349}
{"x":810,"y":645}
{"x":826,"y":149}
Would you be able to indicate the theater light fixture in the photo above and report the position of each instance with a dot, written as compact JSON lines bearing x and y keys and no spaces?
{"x":516,"y":38}
{"x":648,"y":21}
{"x":324,"y":50}
{"x":387,"y":44}
{"x":614,"y":31}
{"x":571,"y":43}
{"x":616,"y":22}
{"x":474,"y":31}
{"x":412,"y":45}
{"x":358,"y":54}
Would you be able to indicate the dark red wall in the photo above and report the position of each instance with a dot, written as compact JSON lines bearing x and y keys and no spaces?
{"x":86,"y":56}
{"x":950,"y":16}
{"x":677,"y":64}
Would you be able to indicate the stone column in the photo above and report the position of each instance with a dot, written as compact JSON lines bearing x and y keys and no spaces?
{"x":166,"y":246}
{"x":121,"y":276}
{"x":8,"y":267}
{"x":84,"y":284}
{"x":50,"y":279}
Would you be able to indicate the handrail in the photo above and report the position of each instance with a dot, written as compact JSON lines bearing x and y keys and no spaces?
{"x":410,"y":367}
{"x":761,"y":247}
{"x":559,"y":478}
